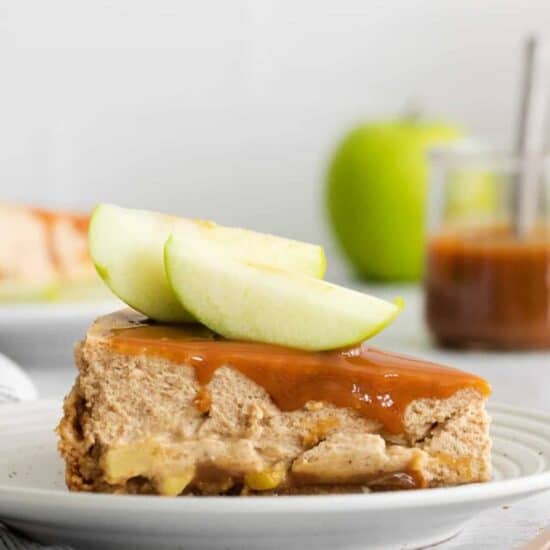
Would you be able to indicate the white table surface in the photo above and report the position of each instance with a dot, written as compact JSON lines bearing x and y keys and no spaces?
{"x":521,"y":379}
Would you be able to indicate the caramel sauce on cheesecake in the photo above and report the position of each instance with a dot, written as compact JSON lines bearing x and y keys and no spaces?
{"x":377,"y":383}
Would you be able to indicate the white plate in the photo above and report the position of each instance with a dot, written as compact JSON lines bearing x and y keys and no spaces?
{"x":33,"y":499}
{"x":44,"y":333}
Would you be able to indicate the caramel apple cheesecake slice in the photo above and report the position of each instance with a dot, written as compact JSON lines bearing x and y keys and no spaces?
{"x":173,"y":410}
{"x":246,"y":373}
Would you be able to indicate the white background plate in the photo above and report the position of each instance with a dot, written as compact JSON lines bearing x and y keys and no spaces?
{"x":33,"y":499}
{"x":39,"y":333}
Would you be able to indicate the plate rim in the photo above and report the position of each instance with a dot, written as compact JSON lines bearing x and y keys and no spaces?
{"x":222,"y":505}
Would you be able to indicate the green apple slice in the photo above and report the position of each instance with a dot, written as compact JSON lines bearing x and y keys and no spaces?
{"x":246,"y":300}
{"x":127,"y":249}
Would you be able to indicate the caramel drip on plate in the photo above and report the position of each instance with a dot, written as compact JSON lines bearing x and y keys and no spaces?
{"x":377,"y":383}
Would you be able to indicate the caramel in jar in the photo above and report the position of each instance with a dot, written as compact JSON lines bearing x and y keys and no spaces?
{"x":486,"y":288}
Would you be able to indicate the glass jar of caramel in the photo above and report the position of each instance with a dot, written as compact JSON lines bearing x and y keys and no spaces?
{"x":486,"y":285}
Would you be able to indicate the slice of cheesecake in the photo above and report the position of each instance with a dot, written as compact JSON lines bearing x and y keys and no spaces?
{"x":44,"y":254}
{"x":179,"y":410}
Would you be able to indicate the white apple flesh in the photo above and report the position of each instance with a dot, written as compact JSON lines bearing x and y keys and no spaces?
{"x":246,"y":300}
{"x":127,"y":246}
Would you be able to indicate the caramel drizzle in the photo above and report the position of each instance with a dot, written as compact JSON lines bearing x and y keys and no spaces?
{"x":377,"y":383}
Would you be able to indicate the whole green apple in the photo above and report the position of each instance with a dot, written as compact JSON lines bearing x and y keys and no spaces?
{"x":376,"y":196}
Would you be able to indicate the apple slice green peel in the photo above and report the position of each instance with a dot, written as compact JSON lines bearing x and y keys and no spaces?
{"x":127,"y":246}
{"x":246,"y":300}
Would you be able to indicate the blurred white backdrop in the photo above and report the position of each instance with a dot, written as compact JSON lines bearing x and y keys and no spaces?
{"x":229,"y":110}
